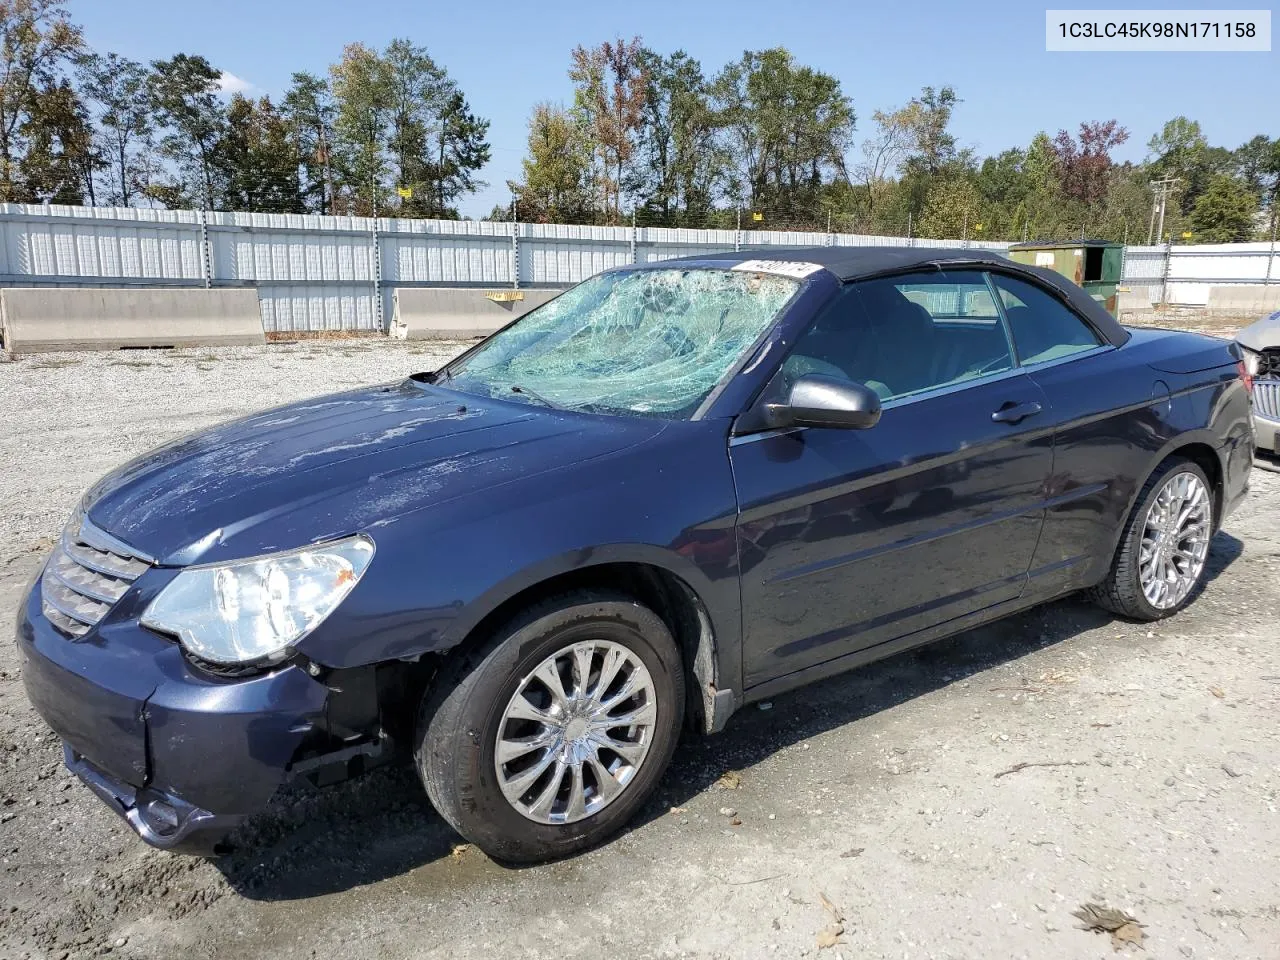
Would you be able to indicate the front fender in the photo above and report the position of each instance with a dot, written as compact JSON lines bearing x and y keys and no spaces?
{"x":437,"y":573}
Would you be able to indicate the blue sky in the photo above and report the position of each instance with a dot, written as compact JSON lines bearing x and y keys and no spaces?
{"x":507,"y":56}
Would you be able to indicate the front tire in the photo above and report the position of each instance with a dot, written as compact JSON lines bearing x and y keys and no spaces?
{"x":547,"y":740}
{"x":1164,"y":549}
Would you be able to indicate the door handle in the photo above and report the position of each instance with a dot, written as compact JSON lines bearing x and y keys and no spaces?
{"x":1015,"y":412}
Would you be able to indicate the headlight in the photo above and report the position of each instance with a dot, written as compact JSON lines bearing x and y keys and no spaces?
{"x":1251,"y":361}
{"x":256,"y":609}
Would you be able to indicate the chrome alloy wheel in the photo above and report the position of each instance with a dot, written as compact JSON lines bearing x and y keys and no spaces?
{"x":1175,"y":540}
{"x":576,"y":732}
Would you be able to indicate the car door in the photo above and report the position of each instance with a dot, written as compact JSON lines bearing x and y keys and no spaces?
{"x":852,"y":538}
{"x":1107,"y":418}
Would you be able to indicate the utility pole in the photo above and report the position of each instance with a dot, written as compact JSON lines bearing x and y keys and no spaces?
{"x":1162,"y":188}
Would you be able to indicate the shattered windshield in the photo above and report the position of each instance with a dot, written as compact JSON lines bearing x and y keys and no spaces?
{"x":640,"y":342}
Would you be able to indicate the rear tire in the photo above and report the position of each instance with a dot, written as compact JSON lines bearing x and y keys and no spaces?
{"x":496,"y":697}
{"x":1132,"y":588}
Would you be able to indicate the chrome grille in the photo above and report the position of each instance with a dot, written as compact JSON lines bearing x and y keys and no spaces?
{"x":85,"y":575}
{"x":1266,"y":398}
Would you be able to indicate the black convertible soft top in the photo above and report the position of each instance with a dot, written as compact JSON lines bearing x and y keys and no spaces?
{"x":861,"y":263}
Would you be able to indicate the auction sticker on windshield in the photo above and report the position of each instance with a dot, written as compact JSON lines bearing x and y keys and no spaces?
{"x":787,"y":268}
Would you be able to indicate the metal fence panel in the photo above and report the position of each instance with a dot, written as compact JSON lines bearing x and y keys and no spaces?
{"x":315,"y":273}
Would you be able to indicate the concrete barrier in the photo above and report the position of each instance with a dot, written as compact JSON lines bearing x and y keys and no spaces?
{"x":445,"y":313}
{"x":42,"y":319}
{"x":1131,"y":297}
{"x":1244,"y":299}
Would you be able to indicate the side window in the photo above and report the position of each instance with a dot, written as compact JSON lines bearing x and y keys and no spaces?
{"x":1043,"y":327}
{"x":908,"y":334}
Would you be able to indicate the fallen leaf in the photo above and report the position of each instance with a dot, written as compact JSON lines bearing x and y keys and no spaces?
{"x":1123,"y":928}
{"x":1127,"y":933}
{"x":829,"y":935}
{"x":459,"y":850}
{"x":730,"y":780}
{"x":735,"y":822}
{"x":1217,"y":692}
{"x":855,"y":852}
{"x":676,"y":810}
{"x":836,"y":914}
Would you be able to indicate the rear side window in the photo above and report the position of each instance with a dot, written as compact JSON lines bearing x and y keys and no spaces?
{"x":1043,"y":328}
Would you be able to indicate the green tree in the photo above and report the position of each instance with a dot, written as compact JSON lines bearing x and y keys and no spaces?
{"x":952,"y":209}
{"x":557,"y":185}
{"x":934,"y":146}
{"x":417,"y":88}
{"x":788,"y":128}
{"x":1224,"y":212}
{"x":118,"y":89}
{"x":185,"y":97}
{"x":362,"y":92}
{"x":679,"y":165}
{"x":36,"y":39}
{"x":309,"y":108}
{"x":1181,"y":150}
{"x":896,"y":134}
{"x":460,"y":152}
{"x":60,"y":162}
{"x":258,"y":159}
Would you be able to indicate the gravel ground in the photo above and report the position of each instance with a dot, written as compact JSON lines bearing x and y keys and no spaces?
{"x":959,"y":801}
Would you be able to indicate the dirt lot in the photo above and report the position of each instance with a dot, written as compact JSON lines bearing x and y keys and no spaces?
{"x":961,"y":801}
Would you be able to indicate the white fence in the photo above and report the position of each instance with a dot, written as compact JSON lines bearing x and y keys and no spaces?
{"x":1186,"y":273}
{"x":337,"y":273}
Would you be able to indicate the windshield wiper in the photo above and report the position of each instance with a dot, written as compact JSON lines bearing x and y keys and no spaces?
{"x":539,"y":398}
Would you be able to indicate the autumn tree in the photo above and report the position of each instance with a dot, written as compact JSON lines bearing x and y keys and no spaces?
{"x":610,"y":86}
{"x":1084,"y":164}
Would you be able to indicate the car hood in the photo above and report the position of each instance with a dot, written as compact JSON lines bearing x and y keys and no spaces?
{"x":336,"y":465}
{"x":1263,"y":335}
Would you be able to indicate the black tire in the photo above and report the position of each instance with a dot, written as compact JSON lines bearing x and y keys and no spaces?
{"x":1121,"y":591}
{"x":459,"y":723}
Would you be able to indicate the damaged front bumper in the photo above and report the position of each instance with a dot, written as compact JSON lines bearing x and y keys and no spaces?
{"x":182,"y":757}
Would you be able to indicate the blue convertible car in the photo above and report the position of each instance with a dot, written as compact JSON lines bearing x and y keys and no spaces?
{"x":676,"y":489}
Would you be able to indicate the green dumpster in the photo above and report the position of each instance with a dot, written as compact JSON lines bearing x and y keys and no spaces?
{"x":1093,"y":264}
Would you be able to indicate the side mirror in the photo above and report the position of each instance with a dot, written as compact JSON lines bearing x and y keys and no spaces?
{"x":819,"y":401}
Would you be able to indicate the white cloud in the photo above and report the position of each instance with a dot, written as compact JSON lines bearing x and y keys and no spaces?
{"x":229,"y":83}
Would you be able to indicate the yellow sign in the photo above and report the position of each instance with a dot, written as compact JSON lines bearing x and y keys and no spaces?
{"x":977,"y":226}
{"x":505,"y":296}
{"x":405,"y":192}
{"x":1186,"y":234}
{"x":757,"y":216}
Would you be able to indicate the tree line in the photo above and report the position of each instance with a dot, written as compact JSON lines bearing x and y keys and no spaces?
{"x":649,"y":137}
{"x":385,"y":132}
{"x":767,"y":142}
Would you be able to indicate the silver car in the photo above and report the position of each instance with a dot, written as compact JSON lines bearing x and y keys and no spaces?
{"x":1260,"y":347}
